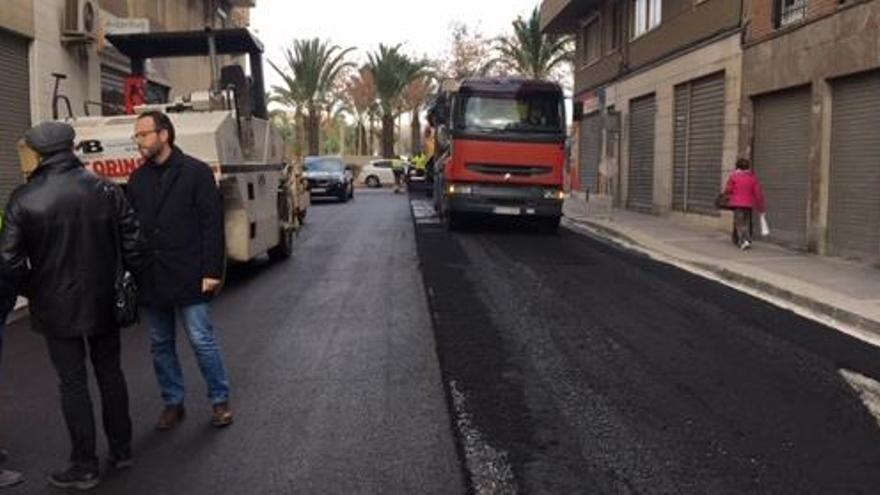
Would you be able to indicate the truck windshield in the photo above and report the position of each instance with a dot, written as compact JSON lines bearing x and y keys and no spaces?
{"x":536,"y":112}
{"x":324,"y":165}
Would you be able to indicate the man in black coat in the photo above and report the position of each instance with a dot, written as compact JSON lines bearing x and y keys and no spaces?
{"x":61,"y":235}
{"x":181,"y":214}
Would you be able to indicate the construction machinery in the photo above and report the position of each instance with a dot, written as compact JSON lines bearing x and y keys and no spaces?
{"x":226,"y":126}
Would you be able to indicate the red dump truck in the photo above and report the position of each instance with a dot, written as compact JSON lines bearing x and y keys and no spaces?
{"x":502,"y":145}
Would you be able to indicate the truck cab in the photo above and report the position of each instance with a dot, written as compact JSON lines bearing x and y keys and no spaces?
{"x":502,"y":145}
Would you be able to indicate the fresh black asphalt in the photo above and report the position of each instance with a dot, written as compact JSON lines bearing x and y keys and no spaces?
{"x":331,"y":357}
{"x":591,"y":369}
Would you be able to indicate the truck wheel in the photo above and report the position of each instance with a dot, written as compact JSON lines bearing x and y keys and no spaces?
{"x":284,"y":249}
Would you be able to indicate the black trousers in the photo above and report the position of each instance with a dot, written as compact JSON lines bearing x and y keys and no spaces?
{"x":742,"y":225}
{"x":69,"y":359}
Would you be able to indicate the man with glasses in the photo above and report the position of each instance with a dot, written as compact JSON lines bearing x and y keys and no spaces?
{"x":181,"y":214}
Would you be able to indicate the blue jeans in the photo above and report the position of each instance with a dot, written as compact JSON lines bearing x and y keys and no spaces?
{"x":197,"y":323}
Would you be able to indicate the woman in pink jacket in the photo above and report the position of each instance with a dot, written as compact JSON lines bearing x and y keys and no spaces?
{"x":744,"y":195}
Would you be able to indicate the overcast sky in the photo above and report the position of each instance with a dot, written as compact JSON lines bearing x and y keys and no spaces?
{"x":422,"y":26}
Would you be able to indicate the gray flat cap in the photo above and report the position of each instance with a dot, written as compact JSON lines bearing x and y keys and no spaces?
{"x":50,"y":137}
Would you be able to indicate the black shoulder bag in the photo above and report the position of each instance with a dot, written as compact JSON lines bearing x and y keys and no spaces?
{"x":125,"y":303}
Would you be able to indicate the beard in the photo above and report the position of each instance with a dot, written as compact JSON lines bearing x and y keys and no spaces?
{"x":149,"y":152}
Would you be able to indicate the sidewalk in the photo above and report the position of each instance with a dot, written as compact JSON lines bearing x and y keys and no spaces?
{"x":839,"y":293}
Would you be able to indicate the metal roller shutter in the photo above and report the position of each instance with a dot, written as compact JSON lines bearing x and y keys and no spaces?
{"x":15,"y":102}
{"x":854,"y":201}
{"x":781,"y":160}
{"x":699,"y":144}
{"x":590,"y":146}
{"x":640,"y":179}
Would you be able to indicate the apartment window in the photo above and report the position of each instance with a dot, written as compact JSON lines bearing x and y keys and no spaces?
{"x":646,"y":16}
{"x":591,"y":37}
{"x":788,"y":12}
{"x":614,"y":28}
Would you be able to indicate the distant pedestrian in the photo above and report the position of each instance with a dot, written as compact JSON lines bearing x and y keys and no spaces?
{"x":62,"y":234}
{"x":744,"y":195}
{"x":399,"y":169}
{"x":8,"y":295}
{"x":181,"y":214}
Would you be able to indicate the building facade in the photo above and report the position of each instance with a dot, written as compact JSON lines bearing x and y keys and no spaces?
{"x":656,"y":100}
{"x":673,"y":91}
{"x":39,"y":38}
{"x":810,"y":115}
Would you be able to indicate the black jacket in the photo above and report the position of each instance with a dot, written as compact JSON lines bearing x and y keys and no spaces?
{"x":181,"y":215}
{"x":58,"y":245}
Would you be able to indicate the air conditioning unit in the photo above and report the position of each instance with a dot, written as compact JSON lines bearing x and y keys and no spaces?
{"x":80,"y":21}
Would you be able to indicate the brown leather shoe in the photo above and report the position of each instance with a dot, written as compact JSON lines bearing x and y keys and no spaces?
{"x":221,"y":415}
{"x":170,"y":416}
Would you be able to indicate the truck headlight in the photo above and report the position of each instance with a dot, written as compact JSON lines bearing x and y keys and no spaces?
{"x":554,"y":194}
{"x":460,"y":189}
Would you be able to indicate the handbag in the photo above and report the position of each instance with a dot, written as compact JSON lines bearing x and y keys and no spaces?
{"x":721,"y":201}
{"x":125,"y":297}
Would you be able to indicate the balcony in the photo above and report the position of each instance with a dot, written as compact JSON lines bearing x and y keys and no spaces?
{"x":562,"y":16}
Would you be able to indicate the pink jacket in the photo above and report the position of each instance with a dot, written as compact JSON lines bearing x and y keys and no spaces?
{"x":744,"y":191}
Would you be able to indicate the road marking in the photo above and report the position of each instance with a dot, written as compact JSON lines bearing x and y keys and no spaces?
{"x":868,"y":389}
{"x":489,"y":470}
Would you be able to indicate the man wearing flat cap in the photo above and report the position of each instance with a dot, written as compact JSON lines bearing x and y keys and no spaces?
{"x":62,"y":235}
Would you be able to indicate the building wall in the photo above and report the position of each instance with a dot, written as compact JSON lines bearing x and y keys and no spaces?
{"x":759,"y":14}
{"x":820,"y":49}
{"x":723,"y":55}
{"x":17,"y":16}
{"x":78,"y":62}
{"x":684,"y":24}
{"x":82,"y":62}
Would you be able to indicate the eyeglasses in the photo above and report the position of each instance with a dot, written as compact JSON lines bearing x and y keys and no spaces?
{"x":142,"y":134}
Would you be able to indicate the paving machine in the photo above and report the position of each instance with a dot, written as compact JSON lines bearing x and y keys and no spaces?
{"x":226,"y":126}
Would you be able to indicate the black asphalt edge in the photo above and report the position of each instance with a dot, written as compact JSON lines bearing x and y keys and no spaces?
{"x":762,"y":287}
{"x":466,"y":475}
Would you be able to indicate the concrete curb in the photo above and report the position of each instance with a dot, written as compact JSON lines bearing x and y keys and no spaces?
{"x":762,"y":287}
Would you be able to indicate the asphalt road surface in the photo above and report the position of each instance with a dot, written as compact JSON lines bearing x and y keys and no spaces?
{"x":335,"y":380}
{"x":575,"y":366}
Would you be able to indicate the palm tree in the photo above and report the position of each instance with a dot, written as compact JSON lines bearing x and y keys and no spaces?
{"x":414,"y":97}
{"x":392,"y":71}
{"x":313,"y":67}
{"x":530,"y":52}
{"x":360,"y":98}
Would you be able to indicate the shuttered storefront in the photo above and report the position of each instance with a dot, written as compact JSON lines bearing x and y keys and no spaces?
{"x":854,"y":195}
{"x":15,"y":102}
{"x":781,"y":160}
{"x":699,"y":144}
{"x":590,"y":149}
{"x":640,"y":179}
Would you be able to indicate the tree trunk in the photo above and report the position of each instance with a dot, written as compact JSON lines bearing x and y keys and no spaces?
{"x":415,"y":133}
{"x":370,"y":137}
{"x":388,"y":136}
{"x":314,"y":130}
{"x":298,"y":132}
